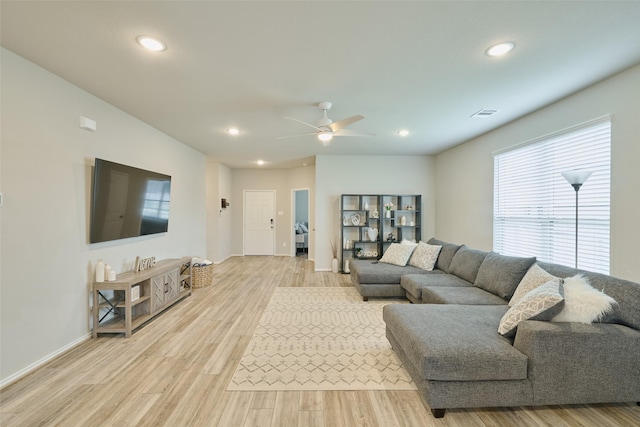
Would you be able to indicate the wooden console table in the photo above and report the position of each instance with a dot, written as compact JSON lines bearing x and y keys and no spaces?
{"x":124,"y":304}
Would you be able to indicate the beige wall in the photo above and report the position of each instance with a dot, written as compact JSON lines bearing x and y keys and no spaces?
{"x":46,"y":163}
{"x":336,"y":175}
{"x":464,"y":174}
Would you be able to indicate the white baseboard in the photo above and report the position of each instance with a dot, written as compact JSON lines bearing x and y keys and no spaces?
{"x":21,"y":373}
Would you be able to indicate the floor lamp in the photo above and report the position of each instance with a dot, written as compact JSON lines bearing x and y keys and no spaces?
{"x":576,"y":179}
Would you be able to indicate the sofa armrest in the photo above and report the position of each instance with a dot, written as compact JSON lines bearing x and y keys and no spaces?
{"x":579,"y":363}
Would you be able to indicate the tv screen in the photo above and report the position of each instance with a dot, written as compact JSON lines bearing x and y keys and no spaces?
{"x":127,"y":202}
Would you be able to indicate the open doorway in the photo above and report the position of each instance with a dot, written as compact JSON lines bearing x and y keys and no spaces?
{"x":300,"y":219}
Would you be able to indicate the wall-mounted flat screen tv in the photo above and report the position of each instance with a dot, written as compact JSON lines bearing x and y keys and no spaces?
{"x":127,"y":202}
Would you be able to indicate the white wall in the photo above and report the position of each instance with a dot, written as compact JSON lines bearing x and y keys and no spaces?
{"x":218,"y":186}
{"x":282,"y":181}
{"x":46,"y":165}
{"x":464,"y":202}
{"x":336,"y":175}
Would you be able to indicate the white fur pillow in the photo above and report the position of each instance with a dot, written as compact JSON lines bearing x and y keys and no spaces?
{"x":425,"y":256}
{"x":397,"y":254}
{"x":535,"y":277}
{"x":582,"y":302}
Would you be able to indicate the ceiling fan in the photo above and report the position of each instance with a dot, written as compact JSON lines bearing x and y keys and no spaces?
{"x":327,"y":129}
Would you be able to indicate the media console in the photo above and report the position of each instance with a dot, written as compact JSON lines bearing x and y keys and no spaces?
{"x":124,"y":304}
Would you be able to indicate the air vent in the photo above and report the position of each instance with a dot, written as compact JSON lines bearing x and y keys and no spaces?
{"x":483,"y":114}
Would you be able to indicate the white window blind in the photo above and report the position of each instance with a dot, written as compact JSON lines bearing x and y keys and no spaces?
{"x":534,"y":205}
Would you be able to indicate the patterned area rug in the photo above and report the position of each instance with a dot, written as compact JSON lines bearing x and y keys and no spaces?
{"x":320,"y":339}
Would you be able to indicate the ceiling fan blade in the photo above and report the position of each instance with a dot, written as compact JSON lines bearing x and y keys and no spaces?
{"x":293,"y":136}
{"x":351,"y":132}
{"x":304,"y":123}
{"x":345,"y":122}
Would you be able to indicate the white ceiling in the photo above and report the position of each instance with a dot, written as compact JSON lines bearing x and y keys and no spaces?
{"x":414,"y":65}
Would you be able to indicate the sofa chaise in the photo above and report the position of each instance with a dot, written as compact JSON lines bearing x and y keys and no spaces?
{"x":450,"y":345}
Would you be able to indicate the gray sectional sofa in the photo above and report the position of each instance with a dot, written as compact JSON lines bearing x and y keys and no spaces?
{"x":449,"y":341}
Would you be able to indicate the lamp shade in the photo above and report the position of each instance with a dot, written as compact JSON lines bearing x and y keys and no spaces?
{"x":325,"y":135}
{"x":577,"y":177}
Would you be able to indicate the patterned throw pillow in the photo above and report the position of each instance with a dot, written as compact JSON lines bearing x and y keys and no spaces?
{"x":425,"y":256}
{"x":397,"y":254}
{"x":534,"y":277}
{"x":541,"y":303}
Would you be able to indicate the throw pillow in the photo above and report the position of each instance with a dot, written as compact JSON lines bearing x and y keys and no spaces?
{"x":466,"y":262}
{"x":541,"y":303}
{"x":304,"y":228}
{"x":535,"y":277}
{"x":446,"y":254}
{"x":500,"y":274}
{"x":397,"y":254}
{"x":583,"y":303}
{"x":425,"y":256}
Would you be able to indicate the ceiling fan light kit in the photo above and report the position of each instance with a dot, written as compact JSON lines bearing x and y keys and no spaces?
{"x":327,"y":129}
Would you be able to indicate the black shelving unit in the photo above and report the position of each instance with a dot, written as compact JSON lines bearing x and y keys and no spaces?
{"x":359,"y":212}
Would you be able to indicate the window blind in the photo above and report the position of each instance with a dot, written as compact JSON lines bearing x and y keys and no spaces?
{"x":534,"y":205}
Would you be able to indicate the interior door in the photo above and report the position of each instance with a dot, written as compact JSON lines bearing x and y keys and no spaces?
{"x":259,"y":222}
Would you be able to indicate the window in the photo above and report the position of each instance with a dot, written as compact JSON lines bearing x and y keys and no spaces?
{"x":534,"y":211}
{"x":156,"y":200}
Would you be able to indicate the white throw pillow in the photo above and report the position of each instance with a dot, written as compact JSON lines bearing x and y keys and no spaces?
{"x":425,"y":256}
{"x":398,"y":254}
{"x":535,"y":277}
{"x":541,"y":303}
{"x":582,"y":302}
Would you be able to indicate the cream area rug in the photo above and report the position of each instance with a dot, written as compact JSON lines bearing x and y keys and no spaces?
{"x":320,"y":339}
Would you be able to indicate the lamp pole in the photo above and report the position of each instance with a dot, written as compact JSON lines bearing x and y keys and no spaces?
{"x":576,"y":178}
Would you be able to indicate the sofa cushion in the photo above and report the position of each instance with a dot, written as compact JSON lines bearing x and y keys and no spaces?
{"x":541,"y":303}
{"x":459,"y":295}
{"x":425,"y":256}
{"x":455,"y":342}
{"x":583,"y":303}
{"x":413,"y":283}
{"x":534,"y":277}
{"x":374,"y":272}
{"x":398,"y":254}
{"x":466,"y":263}
{"x":446,"y":253}
{"x":500,"y":274}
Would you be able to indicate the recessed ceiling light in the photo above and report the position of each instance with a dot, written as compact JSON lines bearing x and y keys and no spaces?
{"x":151,"y":43}
{"x":403,"y":132}
{"x":260,"y":162}
{"x":233,"y":131}
{"x":500,"y":49}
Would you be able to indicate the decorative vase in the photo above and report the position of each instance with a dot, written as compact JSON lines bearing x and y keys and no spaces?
{"x":334,"y":265}
{"x":375,"y":213}
{"x":387,"y":214}
{"x":403,"y":220}
{"x":373,"y":234}
{"x":346,"y":267}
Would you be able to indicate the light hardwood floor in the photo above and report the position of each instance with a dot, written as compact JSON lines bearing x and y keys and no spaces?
{"x":174,"y":372}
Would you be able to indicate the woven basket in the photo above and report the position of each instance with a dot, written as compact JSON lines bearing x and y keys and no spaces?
{"x":201,"y":276}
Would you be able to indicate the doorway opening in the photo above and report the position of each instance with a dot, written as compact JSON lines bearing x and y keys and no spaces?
{"x":300,"y":219}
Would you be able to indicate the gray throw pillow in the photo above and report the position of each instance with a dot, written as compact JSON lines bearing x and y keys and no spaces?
{"x":446,"y":253}
{"x":500,"y":274}
{"x":466,"y":263}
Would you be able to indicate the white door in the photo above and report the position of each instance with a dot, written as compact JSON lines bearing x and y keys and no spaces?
{"x":259,"y":222}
